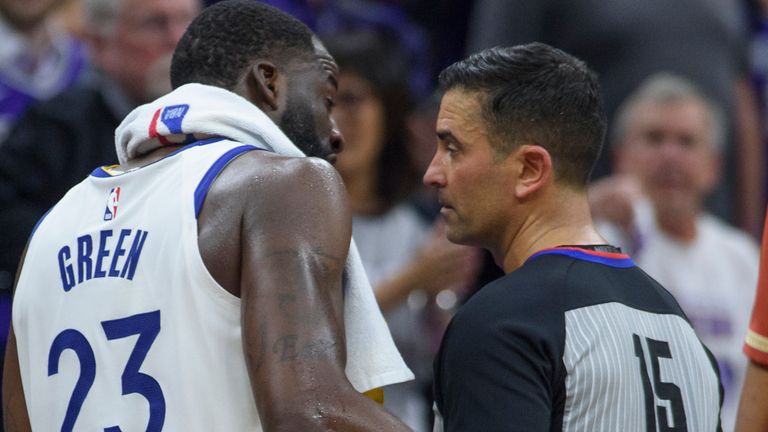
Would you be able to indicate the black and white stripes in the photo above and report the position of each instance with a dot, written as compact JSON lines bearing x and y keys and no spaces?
{"x":628,"y":368}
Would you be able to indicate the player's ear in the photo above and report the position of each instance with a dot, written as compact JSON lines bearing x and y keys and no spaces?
{"x":533,"y":170}
{"x":263,"y":85}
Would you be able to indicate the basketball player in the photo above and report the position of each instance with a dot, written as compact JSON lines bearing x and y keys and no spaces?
{"x":574,"y":337}
{"x":198,"y":285}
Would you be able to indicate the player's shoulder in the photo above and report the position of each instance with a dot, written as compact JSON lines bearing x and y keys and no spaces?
{"x":262,"y":183}
{"x":264,"y":173}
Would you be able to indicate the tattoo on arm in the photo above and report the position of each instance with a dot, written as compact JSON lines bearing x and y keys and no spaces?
{"x":287,"y":349}
{"x":288,"y":294}
{"x":318,"y":348}
{"x":286,"y":299}
{"x":257,"y":356}
{"x":326,"y":260}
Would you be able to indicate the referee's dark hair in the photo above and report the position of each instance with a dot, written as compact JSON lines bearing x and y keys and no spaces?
{"x":536,"y":94}
{"x":228,"y":36}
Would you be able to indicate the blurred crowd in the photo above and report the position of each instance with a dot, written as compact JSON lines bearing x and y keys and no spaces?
{"x":681,"y":183}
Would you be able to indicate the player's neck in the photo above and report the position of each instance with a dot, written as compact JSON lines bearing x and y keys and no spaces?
{"x":563,"y":219}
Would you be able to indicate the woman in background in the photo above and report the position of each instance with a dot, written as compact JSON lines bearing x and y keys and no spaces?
{"x":407,"y":258}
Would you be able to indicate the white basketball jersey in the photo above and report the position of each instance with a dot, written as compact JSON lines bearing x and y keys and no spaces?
{"x":119,"y":325}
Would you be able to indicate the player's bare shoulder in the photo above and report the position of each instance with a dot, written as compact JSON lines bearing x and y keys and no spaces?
{"x":260,"y":195}
{"x":263,"y":177}
{"x":273,"y":189}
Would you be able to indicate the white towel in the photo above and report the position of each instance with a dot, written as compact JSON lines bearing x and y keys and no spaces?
{"x":206,"y":111}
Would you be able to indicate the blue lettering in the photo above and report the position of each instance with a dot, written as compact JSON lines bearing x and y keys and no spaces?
{"x":103,"y":253}
{"x":133,"y":256}
{"x":85,"y":268}
{"x":84,"y":263}
{"x":67,"y":274}
{"x":119,"y":251}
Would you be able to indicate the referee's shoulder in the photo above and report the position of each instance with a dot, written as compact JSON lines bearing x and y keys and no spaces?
{"x":530,"y":292}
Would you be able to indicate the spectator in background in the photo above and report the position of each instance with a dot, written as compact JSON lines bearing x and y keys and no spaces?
{"x":626,"y":41}
{"x":58,"y":142}
{"x":667,"y":140}
{"x":407,"y":261}
{"x":37,"y":58}
{"x":328,"y":18}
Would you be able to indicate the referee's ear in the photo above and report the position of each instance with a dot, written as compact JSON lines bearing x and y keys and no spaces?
{"x":264,"y":86}
{"x":533,"y":170}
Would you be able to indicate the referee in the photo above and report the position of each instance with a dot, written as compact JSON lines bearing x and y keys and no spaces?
{"x":574,"y":337}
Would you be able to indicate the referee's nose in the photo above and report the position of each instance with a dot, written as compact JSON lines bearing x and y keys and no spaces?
{"x":435,"y":175}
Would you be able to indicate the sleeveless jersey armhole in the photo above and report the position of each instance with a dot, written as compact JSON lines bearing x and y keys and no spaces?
{"x":201,"y":191}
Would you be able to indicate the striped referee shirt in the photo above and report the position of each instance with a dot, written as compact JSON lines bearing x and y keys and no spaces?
{"x":575,"y":340}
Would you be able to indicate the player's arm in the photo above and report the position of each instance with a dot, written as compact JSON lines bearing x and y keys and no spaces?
{"x":295,"y":238}
{"x":753,"y":408}
{"x":15,"y":415}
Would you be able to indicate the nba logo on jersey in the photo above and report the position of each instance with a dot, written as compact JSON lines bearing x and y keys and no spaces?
{"x":110,"y":212}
